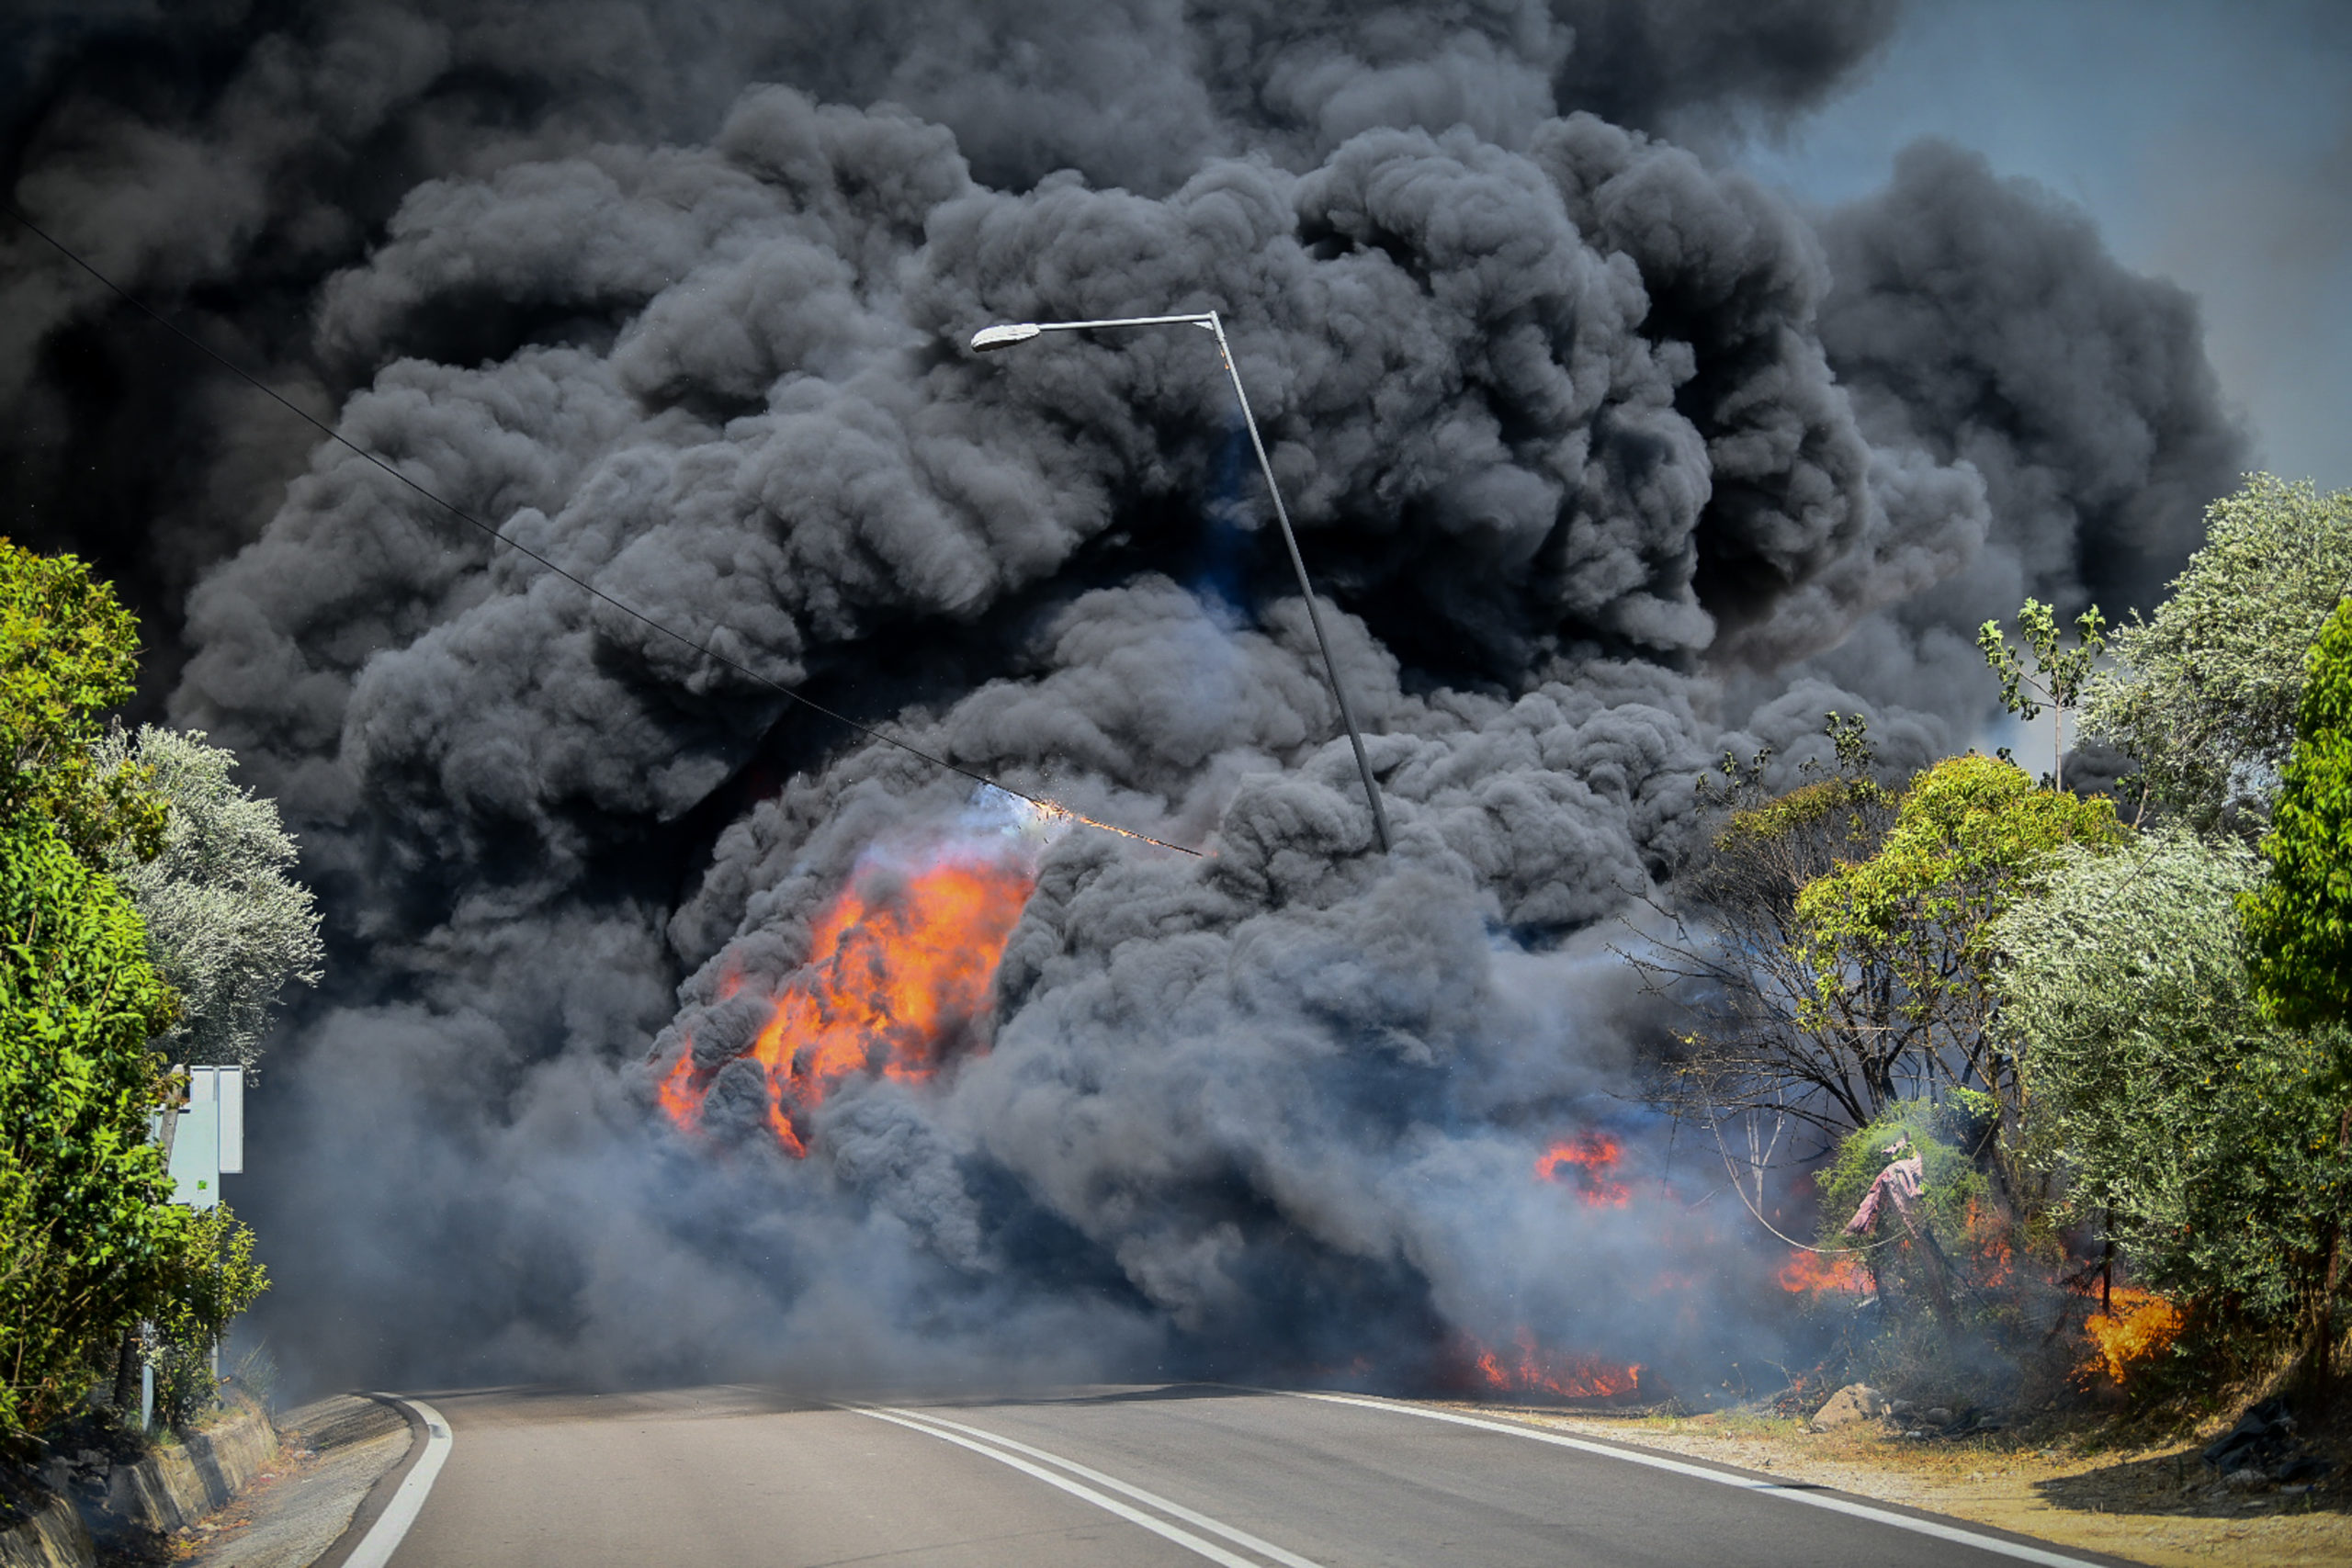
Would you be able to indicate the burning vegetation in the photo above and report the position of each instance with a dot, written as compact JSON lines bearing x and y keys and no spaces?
{"x":1527,"y":1368}
{"x":1586,"y":1160}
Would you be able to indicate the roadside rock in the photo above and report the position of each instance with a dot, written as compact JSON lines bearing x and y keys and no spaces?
{"x":2261,"y":1450}
{"x":1855,"y":1402}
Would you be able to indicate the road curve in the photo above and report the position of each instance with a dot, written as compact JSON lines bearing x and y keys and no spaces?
{"x":1179,"y":1475}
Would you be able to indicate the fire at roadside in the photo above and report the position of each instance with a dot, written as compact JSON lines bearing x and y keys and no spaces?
{"x":899,"y":983}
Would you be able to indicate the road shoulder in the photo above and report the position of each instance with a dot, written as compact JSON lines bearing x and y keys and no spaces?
{"x":337,"y":1451}
{"x":2151,"y":1508}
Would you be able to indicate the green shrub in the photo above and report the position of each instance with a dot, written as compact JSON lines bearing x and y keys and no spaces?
{"x":88,"y":1244}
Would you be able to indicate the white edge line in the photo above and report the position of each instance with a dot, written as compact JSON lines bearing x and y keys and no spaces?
{"x":1743,"y":1483}
{"x":391,"y":1528}
{"x":1185,"y":1538}
{"x":1240,"y":1538}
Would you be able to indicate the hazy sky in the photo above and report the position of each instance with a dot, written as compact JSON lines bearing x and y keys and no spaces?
{"x":2211,"y":142}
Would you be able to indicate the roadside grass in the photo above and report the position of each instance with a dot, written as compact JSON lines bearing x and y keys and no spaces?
{"x":2083,"y":1478}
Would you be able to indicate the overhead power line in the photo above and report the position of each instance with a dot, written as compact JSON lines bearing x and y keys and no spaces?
{"x":1052,"y":807}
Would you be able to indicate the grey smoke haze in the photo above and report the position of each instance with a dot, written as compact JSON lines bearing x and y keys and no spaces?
{"x":1609,"y":457}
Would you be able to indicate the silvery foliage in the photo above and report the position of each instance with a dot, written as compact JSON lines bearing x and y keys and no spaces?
{"x":2204,"y":692}
{"x":2185,"y":1123}
{"x":227,"y":927}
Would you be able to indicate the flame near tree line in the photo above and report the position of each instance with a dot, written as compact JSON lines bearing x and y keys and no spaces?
{"x":900,"y":979}
{"x":2132,"y":1327}
{"x":1587,"y":1162}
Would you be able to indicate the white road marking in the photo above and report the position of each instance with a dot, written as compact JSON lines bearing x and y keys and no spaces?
{"x":384,"y":1535}
{"x":931,"y":1427}
{"x":1150,"y":1499}
{"x":1782,"y":1489}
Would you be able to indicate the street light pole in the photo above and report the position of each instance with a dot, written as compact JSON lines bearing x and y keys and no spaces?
{"x":1006,"y":335}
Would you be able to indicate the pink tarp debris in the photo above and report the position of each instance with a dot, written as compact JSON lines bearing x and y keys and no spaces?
{"x":1898,"y":1185}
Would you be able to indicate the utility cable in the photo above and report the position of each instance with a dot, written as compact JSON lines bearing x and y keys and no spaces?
{"x":1050,"y":807}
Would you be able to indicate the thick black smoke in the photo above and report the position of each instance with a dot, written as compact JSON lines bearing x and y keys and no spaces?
{"x":1610,"y":458}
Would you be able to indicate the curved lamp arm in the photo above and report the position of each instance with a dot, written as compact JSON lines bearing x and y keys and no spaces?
{"x":1006,"y":335}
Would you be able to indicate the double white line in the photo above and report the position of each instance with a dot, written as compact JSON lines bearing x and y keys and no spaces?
{"x":1092,"y":1486}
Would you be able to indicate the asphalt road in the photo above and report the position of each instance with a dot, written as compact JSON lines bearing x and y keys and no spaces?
{"x":1179,"y":1476}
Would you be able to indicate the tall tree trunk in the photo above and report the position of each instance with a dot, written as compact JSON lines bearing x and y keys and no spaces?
{"x":126,"y":1373}
{"x":2331,"y":1277}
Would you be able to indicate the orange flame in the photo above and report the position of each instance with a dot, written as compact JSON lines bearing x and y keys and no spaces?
{"x":2137,"y":1327}
{"x":1591,"y":1155}
{"x":1812,"y":1273}
{"x":1563,"y":1374}
{"x":900,"y":971}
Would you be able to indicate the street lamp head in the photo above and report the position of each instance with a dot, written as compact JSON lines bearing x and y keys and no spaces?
{"x":1004,"y":334}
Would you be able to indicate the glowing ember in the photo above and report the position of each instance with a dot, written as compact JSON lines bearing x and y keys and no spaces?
{"x":1989,"y":1235}
{"x":2137,"y":1327}
{"x":1589,"y":1157}
{"x":900,"y":971}
{"x":1813,"y":1273}
{"x":1531,"y":1368}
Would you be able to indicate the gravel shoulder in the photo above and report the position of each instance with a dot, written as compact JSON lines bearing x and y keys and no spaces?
{"x":334,"y":1451}
{"x":2155,"y":1505}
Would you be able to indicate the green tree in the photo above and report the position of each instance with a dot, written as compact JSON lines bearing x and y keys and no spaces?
{"x":68,"y":652}
{"x":2298,"y":925}
{"x":88,"y":1244}
{"x":2300,"y":922}
{"x":2204,"y":692}
{"x":1900,"y":945}
{"x":2058,"y":675}
{"x":1729,"y":950}
{"x":227,"y":928}
{"x":2193,"y":1126}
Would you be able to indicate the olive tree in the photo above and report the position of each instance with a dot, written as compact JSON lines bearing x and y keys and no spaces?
{"x":2193,"y":1126}
{"x":2203,"y":693}
{"x":227,"y":927}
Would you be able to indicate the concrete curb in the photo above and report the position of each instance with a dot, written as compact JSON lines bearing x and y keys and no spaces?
{"x":379,"y":1496}
{"x":178,"y":1486}
{"x":53,"y":1537}
{"x":171,"y":1487}
{"x":382,"y":1522}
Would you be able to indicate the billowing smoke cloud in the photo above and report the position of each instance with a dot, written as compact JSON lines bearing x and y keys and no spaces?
{"x":1610,"y":458}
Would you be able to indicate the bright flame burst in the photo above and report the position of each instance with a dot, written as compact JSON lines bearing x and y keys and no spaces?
{"x":1531,"y":1368}
{"x":900,"y":969}
{"x":1590,"y":1156}
{"x":1812,"y":1273}
{"x":2137,"y":1326}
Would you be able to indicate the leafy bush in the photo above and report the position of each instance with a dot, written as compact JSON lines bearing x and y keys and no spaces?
{"x":2300,"y":920}
{"x":1971,"y":1293}
{"x":68,"y":652}
{"x":88,"y":1244}
{"x":2175,"y":1113}
{"x":214,"y":1279}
